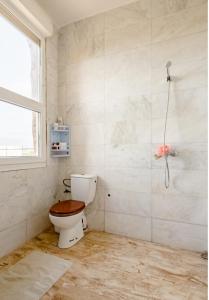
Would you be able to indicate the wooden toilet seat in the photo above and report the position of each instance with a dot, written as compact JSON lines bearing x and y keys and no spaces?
{"x":67,"y":208}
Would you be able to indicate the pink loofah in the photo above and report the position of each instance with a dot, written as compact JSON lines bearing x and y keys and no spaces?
{"x":163,"y":150}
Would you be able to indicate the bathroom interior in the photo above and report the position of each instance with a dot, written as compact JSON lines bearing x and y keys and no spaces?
{"x":103,"y":149}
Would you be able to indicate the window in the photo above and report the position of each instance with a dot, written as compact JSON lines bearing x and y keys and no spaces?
{"x":22,"y":107}
{"x":20,"y":134}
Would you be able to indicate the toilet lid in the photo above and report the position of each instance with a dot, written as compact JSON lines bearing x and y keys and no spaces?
{"x":67,"y":208}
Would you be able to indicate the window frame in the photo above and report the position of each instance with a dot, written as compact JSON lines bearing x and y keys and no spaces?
{"x":27,"y":162}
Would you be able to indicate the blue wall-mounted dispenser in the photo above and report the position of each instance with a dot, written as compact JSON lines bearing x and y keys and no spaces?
{"x":59,"y":140}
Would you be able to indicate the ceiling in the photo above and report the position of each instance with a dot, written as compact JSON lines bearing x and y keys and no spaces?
{"x":63,"y":12}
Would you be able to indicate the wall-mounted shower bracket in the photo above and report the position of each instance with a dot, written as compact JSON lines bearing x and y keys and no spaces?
{"x":173,"y":153}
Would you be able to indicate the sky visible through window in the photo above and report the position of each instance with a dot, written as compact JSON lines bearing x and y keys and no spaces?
{"x":18,"y":129}
{"x":19,"y":72}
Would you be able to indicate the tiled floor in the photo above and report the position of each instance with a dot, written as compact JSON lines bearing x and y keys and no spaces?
{"x":107,"y":266}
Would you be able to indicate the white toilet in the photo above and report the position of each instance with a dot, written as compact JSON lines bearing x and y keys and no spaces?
{"x":68,"y":216}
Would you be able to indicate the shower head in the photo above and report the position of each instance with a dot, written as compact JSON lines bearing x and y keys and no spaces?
{"x":168,"y":64}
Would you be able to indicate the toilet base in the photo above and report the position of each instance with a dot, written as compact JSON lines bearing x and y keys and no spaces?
{"x":56,"y":229}
{"x":69,"y":237}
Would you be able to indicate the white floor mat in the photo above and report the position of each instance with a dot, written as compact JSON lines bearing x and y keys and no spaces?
{"x":31,"y":277}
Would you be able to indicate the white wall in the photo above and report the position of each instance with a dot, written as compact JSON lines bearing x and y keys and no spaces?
{"x":112,"y":91}
{"x":26,"y":195}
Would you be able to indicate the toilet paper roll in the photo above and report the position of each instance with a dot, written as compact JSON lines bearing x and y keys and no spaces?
{"x":63,"y":146}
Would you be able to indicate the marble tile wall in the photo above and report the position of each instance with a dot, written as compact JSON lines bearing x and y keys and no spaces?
{"x":26,"y":195}
{"x":112,"y":92}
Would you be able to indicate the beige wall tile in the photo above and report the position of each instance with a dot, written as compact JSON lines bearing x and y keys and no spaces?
{"x":91,"y":26}
{"x":134,"y":13}
{"x":181,"y":129}
{"x":181,"y":103}
{"x":86,"y":47}
{"x":180,"y":235}
{"x":128,"y":225}
{"x":129,"y":37}
{"x":84,"y":92}
{"x":128,"y":202}
{"x":89,"y":71}
{"x":179,"y":50}
{"x":96,"y":220}
{"x":128,"y":132}
{"x":37,"y":224}
{"x":166,"y":7}
{"x":89,"y":112}
{"x":187,"y":183}
{"x":13,"y":211}
{"x":128,"y":156}
{"x":180,"y":208}
{"x":128,"y":74}
{"x":186,"y":22}
{"x":130,"y":179}
{"x":87,"y":134}
{"x":130,"y":108}
{"x":12,"y":238}
{"x":92,"y":155}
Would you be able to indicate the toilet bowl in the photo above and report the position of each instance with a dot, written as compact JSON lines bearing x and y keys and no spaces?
{"x":67,"y":219}
{"x":68,"y":216}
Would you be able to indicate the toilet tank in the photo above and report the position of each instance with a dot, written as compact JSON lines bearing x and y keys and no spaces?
{"x":83,"y":187}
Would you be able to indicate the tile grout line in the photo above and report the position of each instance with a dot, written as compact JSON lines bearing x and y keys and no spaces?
{"x":104,"y":57}
{"x":151,"y":208}
{"x":156,"y":218}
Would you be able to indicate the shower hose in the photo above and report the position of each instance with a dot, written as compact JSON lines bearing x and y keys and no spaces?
{"x":167,"y":171}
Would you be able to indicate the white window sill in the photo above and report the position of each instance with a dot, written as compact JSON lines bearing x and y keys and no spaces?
{"x":21,"y":166}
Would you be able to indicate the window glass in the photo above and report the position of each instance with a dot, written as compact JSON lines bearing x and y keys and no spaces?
{"x":19,"y":61}
{"x":19,"y":129}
